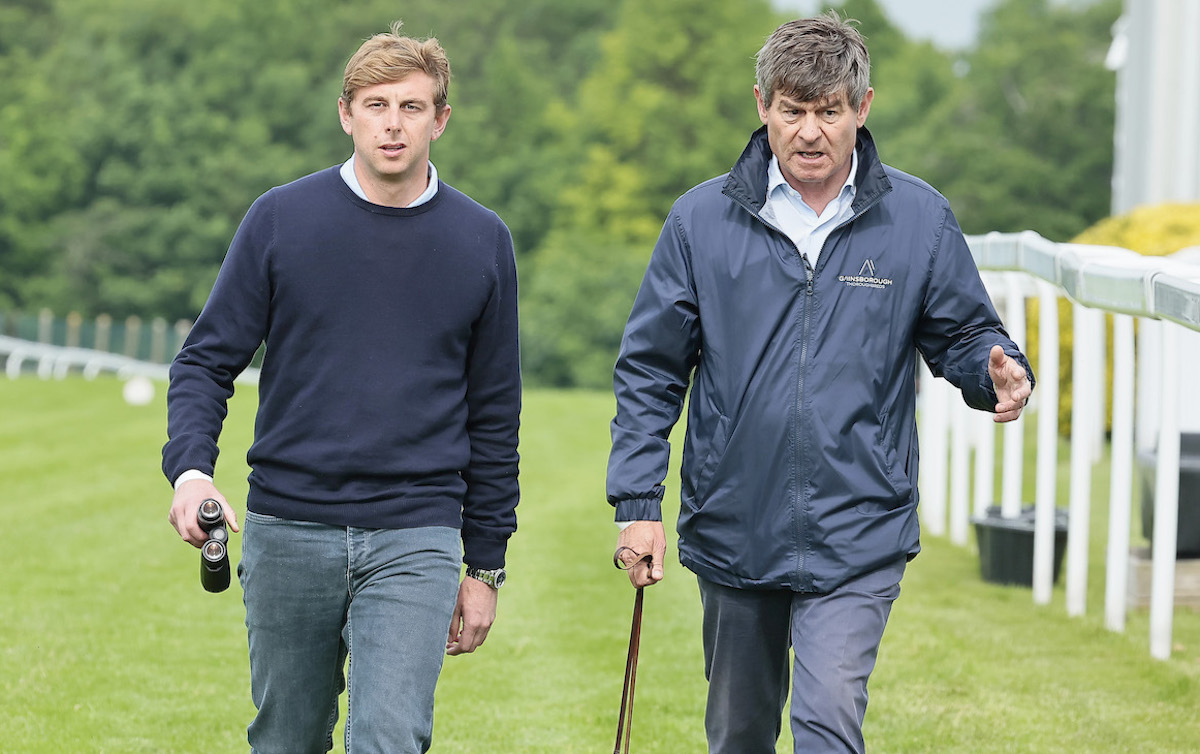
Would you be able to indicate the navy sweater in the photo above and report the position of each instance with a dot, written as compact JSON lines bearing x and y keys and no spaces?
{"x":390,"y":389}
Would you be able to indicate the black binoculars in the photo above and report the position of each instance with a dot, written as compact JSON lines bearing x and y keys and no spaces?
{"x":214,"y":553}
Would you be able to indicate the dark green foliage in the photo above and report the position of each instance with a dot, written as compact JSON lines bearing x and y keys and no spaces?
{"x":1026,"y":141}
{"x":134,"y":134}
{"x":576,"y":296}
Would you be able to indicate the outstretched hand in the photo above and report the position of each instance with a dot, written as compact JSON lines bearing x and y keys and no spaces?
{"x":1011,"y":383}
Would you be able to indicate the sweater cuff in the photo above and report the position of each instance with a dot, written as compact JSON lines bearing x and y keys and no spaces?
{"x":483,"y":553}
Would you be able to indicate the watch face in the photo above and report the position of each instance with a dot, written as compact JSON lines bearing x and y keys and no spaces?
{"x":499,"y":578}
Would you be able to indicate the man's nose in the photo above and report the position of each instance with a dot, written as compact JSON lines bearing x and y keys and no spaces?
{"x":808,"y":129}
{"x":394,"y":120}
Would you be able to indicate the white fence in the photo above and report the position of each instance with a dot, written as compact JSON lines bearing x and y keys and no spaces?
{"x":1164,"y":294}
{"x":53,"y":361}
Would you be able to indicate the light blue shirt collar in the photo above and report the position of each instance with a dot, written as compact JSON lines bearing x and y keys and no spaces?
{"x":775,"y":178}
{"x":808,"y":231}
{"x":347,"y":172}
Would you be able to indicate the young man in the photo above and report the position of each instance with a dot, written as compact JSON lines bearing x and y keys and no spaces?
{"x":794,"y":295}
{"x":387,"y":424}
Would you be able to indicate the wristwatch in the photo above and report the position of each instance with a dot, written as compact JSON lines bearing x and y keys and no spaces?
{"x":493,"y":578}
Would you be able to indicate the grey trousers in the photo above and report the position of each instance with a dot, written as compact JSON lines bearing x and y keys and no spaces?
{"x":834,"y":638}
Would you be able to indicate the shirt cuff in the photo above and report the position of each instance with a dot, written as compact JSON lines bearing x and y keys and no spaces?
{"x":191,"y":474}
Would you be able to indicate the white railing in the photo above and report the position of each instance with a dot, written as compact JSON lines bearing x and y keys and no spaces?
{"x":1165,"y":295}
{"x":54,"y":361}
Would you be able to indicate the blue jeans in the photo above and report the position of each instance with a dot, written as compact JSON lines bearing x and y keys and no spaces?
{"x":317,"y":595}
{"x":834,"y":638}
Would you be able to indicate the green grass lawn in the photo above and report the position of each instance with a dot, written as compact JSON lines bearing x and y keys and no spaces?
{"x":108,"y":643}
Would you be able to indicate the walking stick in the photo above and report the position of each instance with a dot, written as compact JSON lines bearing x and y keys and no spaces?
{"x":625,"y":720}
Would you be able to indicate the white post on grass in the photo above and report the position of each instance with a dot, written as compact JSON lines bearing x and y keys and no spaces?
{"x":1014,"y":437}
{"x":1166,"y":499}
{"x":934,"y":424}
{"x":1082,"y":415}
{"x":1096,"y":372}
{"x":985,"y":464}
{"x":1121,"y":480}
{"x":1046,"y":396}
{"x":960,"y":472}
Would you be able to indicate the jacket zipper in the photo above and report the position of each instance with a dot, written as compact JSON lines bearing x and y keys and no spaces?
{"x":810,"y":275}
{"x":798,"y":528}
{"x":805,"y":324}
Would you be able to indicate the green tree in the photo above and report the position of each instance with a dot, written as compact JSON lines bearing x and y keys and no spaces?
{"x":669,"y":104}
{"x":167,"y":119}
{"x":32,"y":157}
{"x":1027,"y":142}
{"x":512,"y":68}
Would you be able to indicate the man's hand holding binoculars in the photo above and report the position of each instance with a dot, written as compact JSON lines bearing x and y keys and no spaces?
{"x":200,"y":514}
{"x":186,"y":504}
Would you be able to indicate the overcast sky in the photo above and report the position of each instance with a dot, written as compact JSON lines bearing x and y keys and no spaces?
{"x":951,"y":24}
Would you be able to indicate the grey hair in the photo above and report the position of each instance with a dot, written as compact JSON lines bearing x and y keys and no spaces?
{"x":811,"y":59}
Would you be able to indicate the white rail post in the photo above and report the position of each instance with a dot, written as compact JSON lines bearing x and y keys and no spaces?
{"x":1166,"y":500}
{"x":1046,"y":396}
{"x":1098,"y":374}
{"x":1121,"y":484}
{"x":1082,"y":415}
{"x":960,"y":472}
{"x":934,"y":424}
{"x":985,"y":463}
{"x":1014,"y":432}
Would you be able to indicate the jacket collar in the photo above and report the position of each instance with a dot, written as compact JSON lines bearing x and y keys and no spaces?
{"x":747,"y":181}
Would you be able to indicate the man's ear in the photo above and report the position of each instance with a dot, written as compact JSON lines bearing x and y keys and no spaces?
{"x":762,"y":107}
{"x":344,"y":114}
{"x":441,"y":118}
{"x":864,"y":107}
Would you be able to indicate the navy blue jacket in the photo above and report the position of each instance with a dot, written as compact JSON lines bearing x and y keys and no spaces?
{"x":799,"y":463}
{"x":390,"y":391}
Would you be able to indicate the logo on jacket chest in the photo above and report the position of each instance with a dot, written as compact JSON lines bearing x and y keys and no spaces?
{"x":866,"y":277}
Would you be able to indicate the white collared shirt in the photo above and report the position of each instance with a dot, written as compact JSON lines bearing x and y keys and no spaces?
{"x":786,"y":210}
{"x":351,"y":180}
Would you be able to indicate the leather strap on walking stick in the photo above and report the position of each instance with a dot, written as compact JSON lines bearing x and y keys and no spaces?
{"x":625,"y":720}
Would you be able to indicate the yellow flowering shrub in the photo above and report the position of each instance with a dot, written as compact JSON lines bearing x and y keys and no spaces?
{"x":1154,"y":230}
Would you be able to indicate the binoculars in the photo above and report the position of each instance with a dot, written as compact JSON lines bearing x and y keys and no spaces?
{"x":214,"y":553}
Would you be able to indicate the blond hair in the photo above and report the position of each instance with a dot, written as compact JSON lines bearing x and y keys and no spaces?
{"x":390,"y":56}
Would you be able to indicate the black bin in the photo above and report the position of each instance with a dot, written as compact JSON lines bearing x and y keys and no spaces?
{"x":1187,"y":545}
{"x":1006,"y":546}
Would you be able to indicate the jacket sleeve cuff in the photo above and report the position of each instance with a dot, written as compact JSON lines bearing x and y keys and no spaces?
{"x":639,"y":509}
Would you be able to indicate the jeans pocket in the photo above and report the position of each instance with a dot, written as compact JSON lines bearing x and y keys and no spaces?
{"x":264,"y":518}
